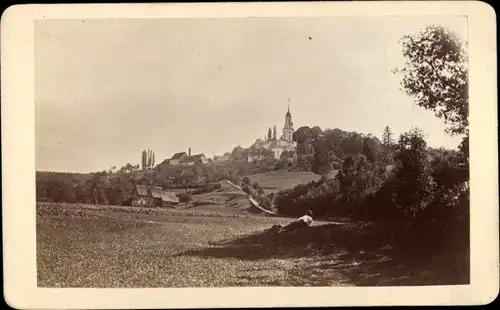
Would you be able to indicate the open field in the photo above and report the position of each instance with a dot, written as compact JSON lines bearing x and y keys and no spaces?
{"x":272,"y":181}
{"x":279,"y":180}
{"x":102,"y":246}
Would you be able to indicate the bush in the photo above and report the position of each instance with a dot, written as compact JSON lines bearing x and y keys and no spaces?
{"x":264,"y":201}
{"x":258,"y":188}
{"x":255,"y":191}
{"x":184,"y":197}
{"x":246,"y":188}
{"x":245,"y":181}
{"x":318,"y":196}
{"x":280,"y":165}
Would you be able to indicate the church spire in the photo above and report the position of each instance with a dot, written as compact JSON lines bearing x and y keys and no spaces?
{"x":288,"y":112}
{"x":288,"y":129}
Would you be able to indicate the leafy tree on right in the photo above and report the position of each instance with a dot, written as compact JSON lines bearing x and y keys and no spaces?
{"x":435,"y":74}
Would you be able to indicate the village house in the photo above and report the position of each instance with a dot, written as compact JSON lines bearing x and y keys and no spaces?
{"x":255,"y":157}
{"x":221,"y":158}
{"x":169,"y":199}
{"x":183,"y":159}
{"x":153,"y":196}
{"x":195,"y":159}
{"x":156,"y":194}
{"x":177,"y":158}
{"x":140,"y":196}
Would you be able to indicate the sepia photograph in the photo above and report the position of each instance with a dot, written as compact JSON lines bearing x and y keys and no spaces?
{"x":252,"y":151}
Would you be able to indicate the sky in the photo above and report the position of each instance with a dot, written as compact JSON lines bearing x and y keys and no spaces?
{"x":106,"y":89}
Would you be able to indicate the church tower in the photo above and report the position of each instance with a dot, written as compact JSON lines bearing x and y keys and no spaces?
{"x":288,"y":129}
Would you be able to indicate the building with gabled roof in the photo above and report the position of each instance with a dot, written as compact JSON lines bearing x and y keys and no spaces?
{"x":169,"y":198}
{"x":140,"y":196}
{"x":177,"y":158}
{"x":151,"y":196}
{"x":195,"y":159}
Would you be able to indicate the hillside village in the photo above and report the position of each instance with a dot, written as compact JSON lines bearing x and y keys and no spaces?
{"x":272,"y":146}
{"x":176,"y":179}
{"x":272,"y":149}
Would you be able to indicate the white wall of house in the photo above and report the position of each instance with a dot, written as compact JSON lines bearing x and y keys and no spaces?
{"x":277,"y":152}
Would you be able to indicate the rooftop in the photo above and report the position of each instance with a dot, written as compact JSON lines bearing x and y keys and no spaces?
{"x":193,"y":158}
{"x":179,"y":155}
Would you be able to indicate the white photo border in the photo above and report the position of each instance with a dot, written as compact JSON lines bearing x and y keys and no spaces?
{"x":18,"y":164}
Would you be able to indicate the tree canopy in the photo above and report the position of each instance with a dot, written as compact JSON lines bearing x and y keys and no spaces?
{"x":435,"y":74}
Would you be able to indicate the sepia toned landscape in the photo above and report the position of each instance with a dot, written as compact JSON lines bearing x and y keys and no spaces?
{"x":192,"y":153}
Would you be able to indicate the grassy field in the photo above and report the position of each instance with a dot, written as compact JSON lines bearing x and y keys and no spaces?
{"x":100,"y":246}
{"x":278,"y":180}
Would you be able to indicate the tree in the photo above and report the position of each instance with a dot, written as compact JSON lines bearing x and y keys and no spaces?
{"x":334,"y":139}
{"x":361,"y":162}
{"x":346,"y":180}
{"x":198,"y":171}
{"x":348,"y":165}
{"x":414,"y":184}
{"x":186,"y":177}
{"x":128,"y":168}
{"x":144,"y":160}
{"x":258,"y":188}
{"x":274,"y":132}
{"x":301,"y":136}
{"x":371,"y":150}
{"x":435,"y":74}
{"x":387,"y":136}
{"x":305,"y":138}
{"x":315,"y":133}
{"x":237,"y":153}
{"x":245,"y":185}
{"x":352,"y":143}
{"x":269,"y":134}
{"x":245,"y":181}
{"x":148,"y":159}
{"x":388,"y":147}
{"x":322,"y":159}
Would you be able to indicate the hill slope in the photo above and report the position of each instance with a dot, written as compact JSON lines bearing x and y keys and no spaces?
{"x":227,"y":199}
{"x":279,"y":180}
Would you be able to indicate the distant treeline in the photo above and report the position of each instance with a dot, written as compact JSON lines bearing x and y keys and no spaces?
{"x":116,"y":186}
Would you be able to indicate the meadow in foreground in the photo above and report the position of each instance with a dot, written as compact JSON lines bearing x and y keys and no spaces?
{"x":78,"y":247}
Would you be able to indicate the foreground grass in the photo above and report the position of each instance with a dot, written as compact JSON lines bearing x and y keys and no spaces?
{"x":114,"y":247}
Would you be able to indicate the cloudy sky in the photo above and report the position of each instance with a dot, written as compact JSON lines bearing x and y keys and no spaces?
{"x":107,"y":89}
